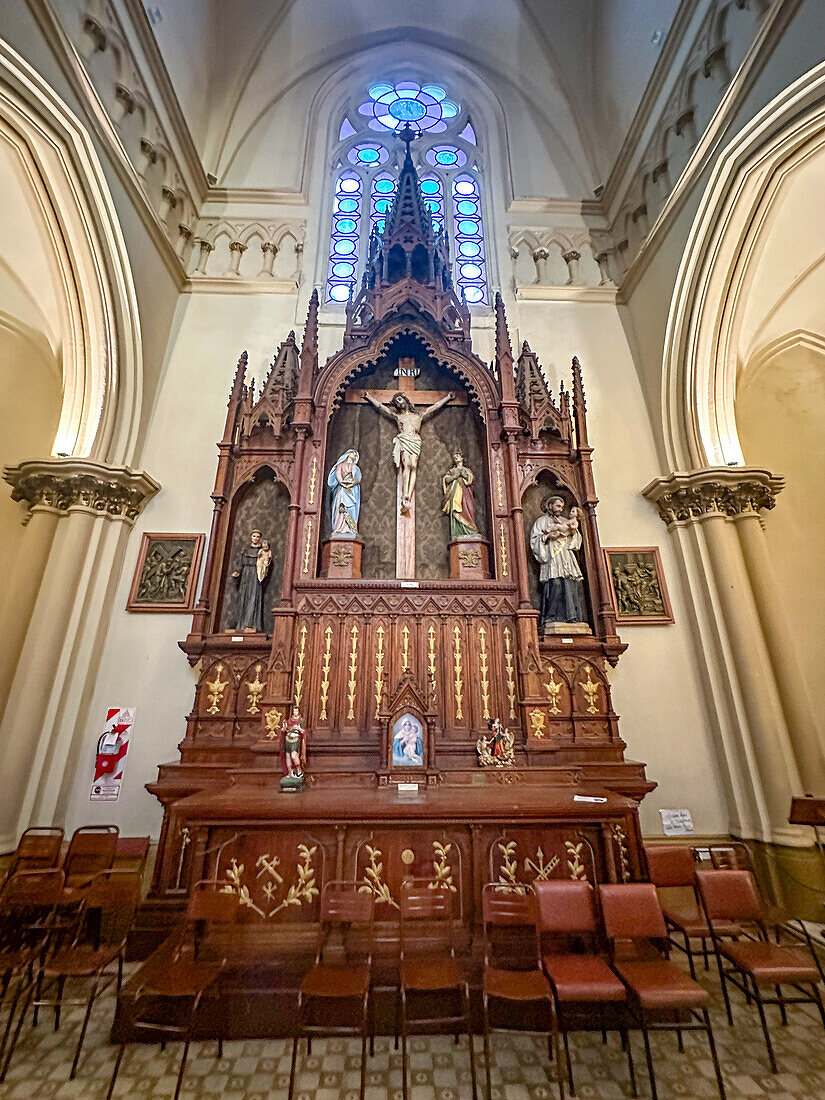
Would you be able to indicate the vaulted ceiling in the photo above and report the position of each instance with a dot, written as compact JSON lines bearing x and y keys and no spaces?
{"x":581,"y":67}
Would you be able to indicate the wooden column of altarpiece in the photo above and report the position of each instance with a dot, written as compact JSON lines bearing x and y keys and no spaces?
{"x":340,"y":648}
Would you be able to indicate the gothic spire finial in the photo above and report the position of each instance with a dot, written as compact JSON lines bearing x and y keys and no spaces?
{"x":503,"y":346}
{"x":311,"y":328}
{"x":236,"y":395}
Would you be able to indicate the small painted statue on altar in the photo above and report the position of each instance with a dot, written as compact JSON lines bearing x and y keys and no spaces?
{"x":459,"y":502}
{"x":344,"y":482}
{"x":252,"y":569}
{"x":295,"y":751}
{"x":554,"y":540}
{"x":499,"y":749}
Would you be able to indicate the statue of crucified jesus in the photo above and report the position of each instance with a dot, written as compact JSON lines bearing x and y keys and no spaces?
{"x":406,"y":447}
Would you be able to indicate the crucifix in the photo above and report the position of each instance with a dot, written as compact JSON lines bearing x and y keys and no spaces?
{"x":400,"y":407}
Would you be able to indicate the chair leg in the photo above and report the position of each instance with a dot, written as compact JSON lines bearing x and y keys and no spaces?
{"x":118,"y":1060}
{"x":782,"y":1013}
{"x":712,"y":1044}
{"x":724,"y":984}
{"x":705,"y":952}
{"x":37,"y":995}
{"x":689,"y":954}
{"x":61,"y":982}
{"x":404,"y":1043}
{"x":363,"y":1064}
{"x":757,"y":996}
{"x":487,"y":1048}
{"x":26,"y":1002}
{"x":465,"y":999}
{"x":18,"y":989}
{"x":82,"y":1035}
{"x":292,"y":1066}
{"x":649,"y":1058}
{"x":182,"y":1069}
{"x":818,"y":999}
{"x":554,"y":1036}
{"x":567,"y":1059}
{"x":631,"y":1069}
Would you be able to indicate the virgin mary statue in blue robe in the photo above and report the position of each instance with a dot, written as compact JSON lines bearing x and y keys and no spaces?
{"x":345,"y":482}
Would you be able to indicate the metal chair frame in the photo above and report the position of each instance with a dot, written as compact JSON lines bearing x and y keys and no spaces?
{"x":742,"y":980}
{"x":28,"y":904}
{"x":98,"y":909}
{"x":515,"y":908}
{"x":420,"y":901}
{"x":587,"y":935}
{"x":209,"y":904}
{"x":344,"y":905}
{"x":673,"y":929}
{"x":653,"y":943}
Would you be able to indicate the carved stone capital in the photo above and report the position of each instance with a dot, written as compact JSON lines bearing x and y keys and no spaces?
{"x":67,"y":484}
{"x":728,"y":491}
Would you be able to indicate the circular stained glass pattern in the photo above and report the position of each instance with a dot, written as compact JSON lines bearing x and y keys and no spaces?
{"x":474,"y":294}
{"x":346,"y":224}
{"x":393,"y":106}
{"x":343,"y":270}
{"x":469,"y":248}
{"x":368,"y":155}
{"x":384,"y":186}
{"x":347,"y":206}
{"x":446,"y":156}
{"x":339,"y":292}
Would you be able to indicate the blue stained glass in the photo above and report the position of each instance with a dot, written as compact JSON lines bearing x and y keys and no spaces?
{"x":383,"y":205}
{"x":467,"y":206}
{"x":467,"y":227}
{"x":469,"y":134}
{"x":465,"y":187}
{"x":470,"y":271}
{"x":446,"y":156}
{"x":474,"y":293}
{"x":407,"y":110}
{"x":378,"y":90}
{"x":343,"y":270}
{"x":368,"y":156}
{"x":345,"y":247}
{"x":379,"y":224}
{"x":339,"y":292}
{"x":430,"y":187}
{"x":448,"y":108}
{"x":350,"y":184}
{"x":384,"y":186}
{"x":347,"y":130}
{"x":433,"y":205}
{"x":347,"y":206}
{"x":435,"y":90}
{"x":346,"y":225}
{"x":469,"y":248}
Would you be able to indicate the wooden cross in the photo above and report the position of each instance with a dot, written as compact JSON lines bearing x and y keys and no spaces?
{"x":407,"y":371}
{"x":405,"y":520}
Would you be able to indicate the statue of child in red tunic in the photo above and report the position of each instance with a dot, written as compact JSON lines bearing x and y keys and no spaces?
{"x":295,"y":751}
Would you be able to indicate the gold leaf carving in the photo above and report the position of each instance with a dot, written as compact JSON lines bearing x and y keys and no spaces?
{"x":216,"y":689}
{"x":255,"y":690}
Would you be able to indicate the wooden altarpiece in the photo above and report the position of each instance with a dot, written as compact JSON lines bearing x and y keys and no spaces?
{"x":348,"y":649}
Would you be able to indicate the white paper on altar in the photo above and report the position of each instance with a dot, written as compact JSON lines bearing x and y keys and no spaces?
{"x":677,"y":822}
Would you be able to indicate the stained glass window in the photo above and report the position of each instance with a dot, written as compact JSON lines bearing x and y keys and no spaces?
{"x":367,"y":165}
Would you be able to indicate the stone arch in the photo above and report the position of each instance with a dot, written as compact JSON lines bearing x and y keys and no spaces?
{"x":100,"y":336}
{"x":701,"y":354}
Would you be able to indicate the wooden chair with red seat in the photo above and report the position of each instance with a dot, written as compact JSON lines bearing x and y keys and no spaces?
{"x":28,"y":903}
{"x":657,"y":988}
{"x":108,"y":911}
{"x":91,"y":850}
{"x":751,"y":964}
{"x":512,"y":969}
{"x":183,"y":971}
{"x":576,"y":967}
{"x":429,"y":970}
{"x":672,"y":870}
{"x":736,"y":856}
{"x":332,"y":988}
{"x":37,"y":850}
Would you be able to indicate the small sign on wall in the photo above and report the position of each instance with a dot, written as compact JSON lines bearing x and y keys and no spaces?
{"x":677,"y":822}
{"x":110,"y":758}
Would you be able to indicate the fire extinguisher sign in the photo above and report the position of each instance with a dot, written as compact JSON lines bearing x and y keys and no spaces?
{"x":110,"y":757}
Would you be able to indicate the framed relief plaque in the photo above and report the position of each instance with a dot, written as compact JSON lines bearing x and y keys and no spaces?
{"x":637,"y":585}
{"x":166,"y":574}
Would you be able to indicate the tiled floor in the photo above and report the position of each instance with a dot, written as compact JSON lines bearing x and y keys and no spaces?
{"x":438,"y":1069}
